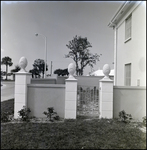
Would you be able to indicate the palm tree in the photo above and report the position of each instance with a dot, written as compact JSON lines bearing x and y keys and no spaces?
{"x":8,"y":62}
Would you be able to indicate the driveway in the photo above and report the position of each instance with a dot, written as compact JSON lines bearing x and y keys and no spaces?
{"x":7,"y":90}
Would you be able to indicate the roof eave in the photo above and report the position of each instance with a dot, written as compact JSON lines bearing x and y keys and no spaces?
{"x":120,"y":12}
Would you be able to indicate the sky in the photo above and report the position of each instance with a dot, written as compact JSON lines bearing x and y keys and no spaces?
{"x":59,"y":21}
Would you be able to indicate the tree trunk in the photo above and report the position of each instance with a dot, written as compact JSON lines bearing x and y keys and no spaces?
{"x":14,"y":77}
{"x":77,"y":68}
{"x":6,"y":71}
{"x":82,"y":68}
{"x":81,"y":72}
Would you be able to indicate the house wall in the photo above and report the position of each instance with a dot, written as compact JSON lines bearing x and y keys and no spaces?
{"x":42,"y":96}
{"x":130,"y":99}
{"x":134,"y":50}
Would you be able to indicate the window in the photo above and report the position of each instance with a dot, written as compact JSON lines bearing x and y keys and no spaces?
{"x":128,"y":74}
{"x":128,"y":28}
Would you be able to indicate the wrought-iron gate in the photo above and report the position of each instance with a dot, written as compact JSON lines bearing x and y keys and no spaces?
{"x":88,"y":101}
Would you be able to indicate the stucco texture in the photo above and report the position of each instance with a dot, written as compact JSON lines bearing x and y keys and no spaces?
{"x":130,"y":99}
{"x":41,"y":96}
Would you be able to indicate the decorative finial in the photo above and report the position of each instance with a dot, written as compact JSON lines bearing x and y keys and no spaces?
{"x":71,"y":70}
{"x":106,"y":70}
{"x":23,"y":63}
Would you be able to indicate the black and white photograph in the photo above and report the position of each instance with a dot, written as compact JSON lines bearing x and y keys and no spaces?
{"x":73,"y":74}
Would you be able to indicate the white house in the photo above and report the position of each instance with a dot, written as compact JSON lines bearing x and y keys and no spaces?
{"x":99,"y":72}
{"x":129,"y":25}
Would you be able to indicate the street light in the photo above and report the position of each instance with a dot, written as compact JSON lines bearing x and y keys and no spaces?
{"x":45,"y":52}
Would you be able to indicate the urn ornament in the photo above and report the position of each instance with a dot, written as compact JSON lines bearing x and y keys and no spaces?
{"x":23,"y":63}
{"x":71,"y":70}
{"x":106,"y":70}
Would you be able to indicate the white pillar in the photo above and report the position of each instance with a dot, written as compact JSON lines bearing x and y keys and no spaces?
{"x":21,"y":81}
{"x":70,"y":98}
{"x":22,"y":78}
{"x":106,"y":95}
{"x":71,"y":94}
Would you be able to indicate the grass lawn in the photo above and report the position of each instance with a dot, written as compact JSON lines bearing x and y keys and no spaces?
{"x":8,"y":106}
{"x":70,"y":134}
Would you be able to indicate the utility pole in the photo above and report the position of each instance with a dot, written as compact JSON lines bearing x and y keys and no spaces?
{"x":51,"y":68}
{"x":45,"y":61}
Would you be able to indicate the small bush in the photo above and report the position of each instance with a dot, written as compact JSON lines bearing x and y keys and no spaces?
{"x":51,"y":114}
{"x":24,"y":113}
{"x":124,"y":116}
{"x":144,"y":120}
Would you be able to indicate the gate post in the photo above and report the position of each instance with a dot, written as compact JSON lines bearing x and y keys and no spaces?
{"x":22,"y":78}
{"x":106,"y":94}
{"x":71,"y":94}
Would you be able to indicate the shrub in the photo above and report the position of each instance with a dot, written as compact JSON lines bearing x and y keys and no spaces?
{"x":4,"y":117}
{"x":51,"y":114}
{"x":24,"y":113}
{"x":144,"y":120}
{"x":124,"y":116}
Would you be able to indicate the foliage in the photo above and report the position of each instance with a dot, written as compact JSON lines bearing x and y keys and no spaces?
{"x":70,"y":134}
{"x":5,"y":117}
{"x":16,"y":69}
{"x":144,"y":120}
{"x":124,"y":116}
{"x":61,"y":72}
{"x":8,"y":62}
{"x":75,"y":134}
{"x":1,"y":74}
{"x":80,"y":53}
{"x":9,"y":74}
{"x":24,"y":113}
{"x":35,"y":73}
{"x":51,"y":114}
{"x":1,"y":77}
{"x":38,"y":67}
{"x":7,"y":110}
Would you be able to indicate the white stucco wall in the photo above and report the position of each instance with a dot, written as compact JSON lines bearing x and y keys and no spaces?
{"x":133,"y":51}
{"x":130,"y":99}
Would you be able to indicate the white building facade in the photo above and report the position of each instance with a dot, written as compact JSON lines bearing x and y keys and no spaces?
{"x":129,"y":24}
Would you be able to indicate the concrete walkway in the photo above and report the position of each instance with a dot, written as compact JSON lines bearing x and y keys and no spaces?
{"x":7,"y":90}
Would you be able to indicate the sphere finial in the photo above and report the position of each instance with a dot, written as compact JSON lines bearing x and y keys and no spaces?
{"x":106,"y":70}
{"x":23,"y":63}
{"x":71,"y":70}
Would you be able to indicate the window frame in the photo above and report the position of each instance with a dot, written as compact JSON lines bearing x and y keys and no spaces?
{"x":127,"y":79}
{"x":128,"y":28}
